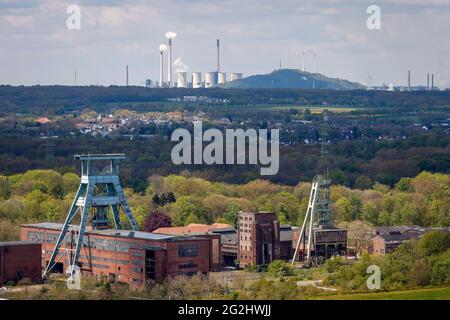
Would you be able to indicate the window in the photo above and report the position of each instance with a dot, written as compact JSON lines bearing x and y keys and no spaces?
{"x":190,"y":250}
{"x":187,"y":266}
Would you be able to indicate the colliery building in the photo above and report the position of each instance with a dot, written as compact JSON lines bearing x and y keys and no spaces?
{"x":259,"y":238}
{"x":222,"y":235}
{"x":230,"y":242}
{"x":20,"y":260}
{"x":387,"y":239}
{"x":131,"y":257}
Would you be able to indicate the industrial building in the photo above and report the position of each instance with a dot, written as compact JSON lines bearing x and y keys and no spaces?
{"x":212,"y":79}
{"x":259,"y":238}
{"x":218,"y":233}
{"x":125,"y":256}
{"x":230,"y":242}
{"x":387,"y":239}
{"x":20,"y":260}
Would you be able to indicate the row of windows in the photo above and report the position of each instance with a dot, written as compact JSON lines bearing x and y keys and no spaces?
{"x":100,"y":266}
{"x":94,"y":258}
{"x":100,"y":244}
{"x":246,"y":238}
{"x":188,"y":250}
{"x":245,"y":218}
{"x":187,"y":266}
{"x":247,"y":225}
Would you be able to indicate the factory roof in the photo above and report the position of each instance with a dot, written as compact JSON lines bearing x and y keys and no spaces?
{"x":18,"y":243}
{"x":396,"y":229}
{"x":398,"y":237}
{"x":192,"y":228}
{"x":414,"y":230}
{"x":112,"y":232}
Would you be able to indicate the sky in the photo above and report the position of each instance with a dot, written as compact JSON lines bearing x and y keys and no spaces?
{"x":38,"y":48}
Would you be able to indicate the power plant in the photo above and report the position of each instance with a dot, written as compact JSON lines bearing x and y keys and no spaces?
{"x":212,"y":79}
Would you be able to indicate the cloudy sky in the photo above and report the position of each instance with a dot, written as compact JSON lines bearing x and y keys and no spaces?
{"x":37,"y":48}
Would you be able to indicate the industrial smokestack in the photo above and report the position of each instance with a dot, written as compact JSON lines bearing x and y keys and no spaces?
{"x":169,"y":62}
{"x":218,"y":55}
{"x":428,"y":81}
{"x":170,"y":36}
{"x":161,"y":66}
{"x":432,"y":81}
{"x":127,"y":75}
{"x":409,"y":80}
{"x":162,"y":49}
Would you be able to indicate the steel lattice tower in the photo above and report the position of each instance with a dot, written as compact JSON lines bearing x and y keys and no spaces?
{"x":318,"y":215}
{"x":99,"y":193}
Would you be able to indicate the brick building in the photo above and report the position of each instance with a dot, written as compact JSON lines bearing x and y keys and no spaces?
{"x":131,"y":257}
{"x":223,"y":237}
{"x":387,"y":239}
{"x":19,"y":260}
{"x":259,"y":238}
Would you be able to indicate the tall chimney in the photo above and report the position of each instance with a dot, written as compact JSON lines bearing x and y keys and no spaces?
{"x":161,"y":68}
{"x":127,"y":75}
{"x":432,"y":81}
{"x":428,"y":81}
{"x":218,"y":55}
{"x":169,"y":61}
{"x":409,"y":80}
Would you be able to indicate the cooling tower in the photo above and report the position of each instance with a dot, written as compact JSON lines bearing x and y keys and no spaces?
{"x":235,"y":76}
{"x":196,"y":80}
{"x":222,"y":78}
{"x":211,"y":79}
{"x":182,"y":79}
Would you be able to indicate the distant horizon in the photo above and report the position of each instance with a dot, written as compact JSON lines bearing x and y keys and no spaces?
{"x":422,"y":85}
{"x":38,"y":48}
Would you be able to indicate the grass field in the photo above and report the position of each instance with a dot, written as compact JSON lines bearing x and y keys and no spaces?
{"x":314,"y":109}
{"x":416,"y":294}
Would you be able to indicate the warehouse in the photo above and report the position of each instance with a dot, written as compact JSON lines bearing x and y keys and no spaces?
{"x":20,"y":260}
{"x":125,"y":256}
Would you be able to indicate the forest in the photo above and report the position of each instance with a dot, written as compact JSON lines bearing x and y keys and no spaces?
{"x":46,"y":195}
{"x":59,"y":99}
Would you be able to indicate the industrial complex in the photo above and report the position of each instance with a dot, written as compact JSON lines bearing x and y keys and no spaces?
{"x":93,"y":241}
{"x":211,"y":79}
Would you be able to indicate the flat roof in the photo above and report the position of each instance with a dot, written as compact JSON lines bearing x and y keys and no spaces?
{"x":112,"y":232}
{"x":18,"y":243}
{"x":108,"y":156}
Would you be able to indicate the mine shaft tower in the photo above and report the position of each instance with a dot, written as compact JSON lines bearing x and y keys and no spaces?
{"x":99,"y":194}
{"x":318,"y":221}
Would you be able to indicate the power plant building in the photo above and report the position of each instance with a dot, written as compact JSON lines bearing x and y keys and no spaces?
{"x":211,"y":79}
{"x":196,"y":80}
{"x":182,"y":79}
{"x":222,"y":78}
{"x":235,"y":76}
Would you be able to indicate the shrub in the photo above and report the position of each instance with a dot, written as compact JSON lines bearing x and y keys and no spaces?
{"x":280,"y":268}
